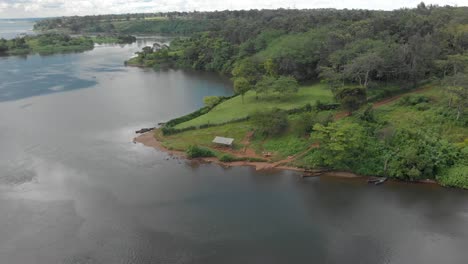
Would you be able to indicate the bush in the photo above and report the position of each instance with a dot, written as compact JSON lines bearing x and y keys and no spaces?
{"x":227,"y":158}
{"x":305,"y":123}
{"x":271,"y":123}
{"x":412,"y":100}
{"x":195,"y":151}
{"x":367,"y":114}
{"x":456,"y":176}
{"x":211,"y":101}
{"x":420,"y":155}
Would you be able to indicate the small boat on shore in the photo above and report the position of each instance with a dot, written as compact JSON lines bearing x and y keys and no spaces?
{"x":377,"y":181}
{"x":380,"y":181}
{"x":144,"y":130}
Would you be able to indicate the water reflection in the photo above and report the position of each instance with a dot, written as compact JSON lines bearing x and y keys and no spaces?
{"x":75,"y":189}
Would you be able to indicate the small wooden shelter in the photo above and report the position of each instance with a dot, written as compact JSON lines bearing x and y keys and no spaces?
{"x":223,"y":141}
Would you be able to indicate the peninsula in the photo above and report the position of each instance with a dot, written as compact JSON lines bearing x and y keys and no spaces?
{"x":378,"y":93}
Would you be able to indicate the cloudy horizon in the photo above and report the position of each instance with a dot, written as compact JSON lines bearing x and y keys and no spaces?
{"x":53,"y":8}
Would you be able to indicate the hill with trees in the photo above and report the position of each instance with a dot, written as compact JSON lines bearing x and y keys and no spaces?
{"x":278,"y":58}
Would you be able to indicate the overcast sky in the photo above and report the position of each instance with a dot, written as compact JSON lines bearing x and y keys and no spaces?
{"x":47,"y":8}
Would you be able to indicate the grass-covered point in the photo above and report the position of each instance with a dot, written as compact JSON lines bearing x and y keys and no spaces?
{"x":45,"y":44}
{"x":50,"y":43}
{"x":415,"y":137}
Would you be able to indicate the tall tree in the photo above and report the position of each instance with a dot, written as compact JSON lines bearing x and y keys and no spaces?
{"x":241,"y":86}
{"x":351,"y":98}
{"x":364,"y":67}
{"x":286,"y":86}
{"x":457,"y":87}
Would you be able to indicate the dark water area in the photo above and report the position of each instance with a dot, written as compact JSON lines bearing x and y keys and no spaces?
{"x":75,"y":189}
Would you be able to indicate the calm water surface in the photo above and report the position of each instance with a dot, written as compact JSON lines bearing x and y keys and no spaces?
{"x":11,"y":28}
{"x":75,"y":189}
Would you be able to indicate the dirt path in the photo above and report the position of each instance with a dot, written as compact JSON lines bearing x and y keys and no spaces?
{"x":295,"y":157}
{"x":394,"y":98}
{"x":246,"y":142}
{"x":387,"y":101}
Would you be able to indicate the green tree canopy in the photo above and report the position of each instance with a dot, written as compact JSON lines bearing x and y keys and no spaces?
{"x":351,"y":98}
{"x":241,"y":86}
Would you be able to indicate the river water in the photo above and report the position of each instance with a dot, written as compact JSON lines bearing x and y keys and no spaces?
{"x":11,"y":28}
{"x":75,"y":189}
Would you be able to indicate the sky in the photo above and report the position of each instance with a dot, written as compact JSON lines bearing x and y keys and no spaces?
{"x":51,"y":8}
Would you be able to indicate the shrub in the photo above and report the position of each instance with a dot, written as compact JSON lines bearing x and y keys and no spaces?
{"x":211,"y":101}
{"x":271,"y":123}
{"x":456,"y":176}
{"x":227,"y":158}
{"x":195,"y":151}
{"x":412,"y":100}
{"x":367,"y":114}
{"x":305,"y":123}
{"x":423,"y":106}
{"x":420,"y":155}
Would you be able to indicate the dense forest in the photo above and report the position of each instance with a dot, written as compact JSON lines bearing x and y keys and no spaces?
{"x":354,"y":49}
{"x":360,"y":56}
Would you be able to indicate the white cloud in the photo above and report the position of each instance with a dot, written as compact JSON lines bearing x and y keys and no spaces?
{"x":42,"y":8}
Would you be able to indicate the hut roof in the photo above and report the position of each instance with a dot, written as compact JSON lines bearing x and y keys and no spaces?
{"x":223,"y":141}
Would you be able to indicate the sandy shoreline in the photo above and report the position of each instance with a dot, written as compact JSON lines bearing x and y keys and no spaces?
{"x":148,"y":139}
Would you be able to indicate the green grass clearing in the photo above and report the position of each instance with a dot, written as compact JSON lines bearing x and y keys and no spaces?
{"x":235,"y":109}
{"x":204,"y":137}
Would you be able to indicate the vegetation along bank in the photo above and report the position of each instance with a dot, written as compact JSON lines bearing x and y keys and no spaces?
{"x":381,"y":93}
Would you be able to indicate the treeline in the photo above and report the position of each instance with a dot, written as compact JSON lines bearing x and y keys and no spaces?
{"x":128,"y":24}
{"x":353,"y":46}
{"x":354,"y":51}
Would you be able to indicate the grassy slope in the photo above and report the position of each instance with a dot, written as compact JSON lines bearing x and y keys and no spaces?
{"x":34,"y":47}
{"x":429,"y":119}
{"x":235,"y":109}
{"x":204,"y":137}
